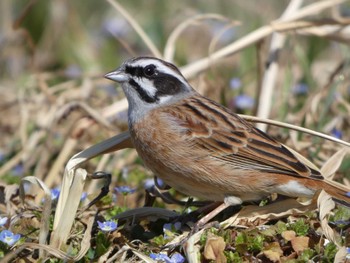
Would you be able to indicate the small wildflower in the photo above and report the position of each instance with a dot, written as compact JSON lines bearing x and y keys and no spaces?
{"x":348,"y":194}
{"x":244,"y":102}
{"x":8,"y":237}
{"x":3,"y":220}
{"x":235,"y":83}
{"x":73,"y":71}
{"x":159,"y":256}
{"x":172,"y":227}
{"x":219,"y":29}
{"x":348,"y":253}
{"x":336,"y":133}
{"x":300,"y":89}
{"x":176,"y":258}
{"x":18,"y":170}
{"x":55,"y":193}
{"x":169,"y":228}
{"x":117,"y":27}
{"x":2,"y":156}
{"x":124,"y":189}
{"x":83,"y":196}
{"x":107,"y":226}
{"x":150,"y":183}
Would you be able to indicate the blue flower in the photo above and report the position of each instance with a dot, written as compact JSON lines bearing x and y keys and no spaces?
{"x":175,"y":258}
{"x":336,"y":133}
{"x":18,"y":170}
{"x":244,"y":102}
{"x":2,"y":156}
{"x":124,"y":190}
{"x":83,"y":196}
{"x":169,"y":228}
{"x":219,"y":29}
{"x":73,"y":71}
{"x":107,"y":226}
{"x":3,"y":220}
{"x":235,"y":83}
{"x":149,"y":183}
{"x":300,"y":89}
{"x":348,"y":194}
{"x":8,"y":237}
{"x":55,"y":193}
{"x":117,"y":27}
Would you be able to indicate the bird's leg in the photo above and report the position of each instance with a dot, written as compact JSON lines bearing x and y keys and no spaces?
{"x":104,"y":190}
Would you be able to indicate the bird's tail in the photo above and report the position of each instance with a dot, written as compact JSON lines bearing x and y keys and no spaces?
{"x":340,"y":193}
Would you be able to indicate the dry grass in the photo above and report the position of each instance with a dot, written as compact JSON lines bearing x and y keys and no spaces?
{"x":55,"y":104}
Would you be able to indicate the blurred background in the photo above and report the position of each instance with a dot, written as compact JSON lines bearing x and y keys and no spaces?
{"x":54,"y":101}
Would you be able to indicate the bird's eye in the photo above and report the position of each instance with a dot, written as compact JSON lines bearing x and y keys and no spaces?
{"x":149,"y":71}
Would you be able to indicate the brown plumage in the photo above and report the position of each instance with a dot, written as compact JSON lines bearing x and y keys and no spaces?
{"x":201,"y":148}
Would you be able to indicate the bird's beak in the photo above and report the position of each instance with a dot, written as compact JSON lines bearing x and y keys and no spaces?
{"x":118,"y":75}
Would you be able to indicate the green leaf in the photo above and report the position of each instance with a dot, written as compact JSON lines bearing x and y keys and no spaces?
{"x":300,"y":227}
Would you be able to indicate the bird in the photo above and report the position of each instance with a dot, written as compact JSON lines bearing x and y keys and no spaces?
{"x":203,"y":149}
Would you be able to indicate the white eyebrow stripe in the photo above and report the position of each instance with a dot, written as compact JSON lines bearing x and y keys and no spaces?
{"x":160,"y":67}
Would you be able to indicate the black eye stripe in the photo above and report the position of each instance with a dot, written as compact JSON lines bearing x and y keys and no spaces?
{"x":134,"y":71}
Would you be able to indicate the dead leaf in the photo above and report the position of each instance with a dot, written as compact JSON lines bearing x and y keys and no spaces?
{"x":273,"y":252}
{"x":325,"y":206}
{"x":288,"y":235}
{"x":300,"y":243}
{"x":333,"y":163}
{"x":214,"y":249}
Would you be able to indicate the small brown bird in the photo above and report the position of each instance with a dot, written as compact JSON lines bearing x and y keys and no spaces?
{"x":201,"y":148}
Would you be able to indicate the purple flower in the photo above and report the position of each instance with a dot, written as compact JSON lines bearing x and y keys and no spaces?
{"x":169,"y":228}
{"x":55,"y":193}
{"x":336,"y":133}
{"x":2,"y":155}
{"x":3,"y":220}
{"x":235,"y":83}
{"x":73,"y":71}
{"x":172,"y":227}
{"x":175,"y":258}
{"x":18,"y":170}
{"x":348,"y":194}
{"x":107,"y":226}
{"x":124,"y":189}
{"x":83,"y":196}
{"x":300,"y":89}
{"x":244,"y":102}
{"x":8,"y":237}
{"x":218,"y":28}
{"x":117,"y":27}
{"x":150,"y":183}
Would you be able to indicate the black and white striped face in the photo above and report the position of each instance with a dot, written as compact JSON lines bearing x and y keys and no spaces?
{"x":152,"y":80}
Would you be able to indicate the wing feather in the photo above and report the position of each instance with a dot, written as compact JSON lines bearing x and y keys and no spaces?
{"x":227,"y":137}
